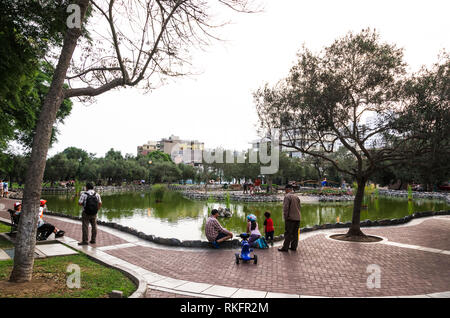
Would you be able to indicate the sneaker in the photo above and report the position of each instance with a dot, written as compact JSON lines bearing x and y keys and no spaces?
{"x":59,"y":233}
{"x":83,"y":243}
{"x":92,"y":242}
{"x":215,"y":244}
{"x":282,"y":250}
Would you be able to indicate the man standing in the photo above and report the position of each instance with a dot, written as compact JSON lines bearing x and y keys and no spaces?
{"x":257,"y":185}
{"x":5,"y":189}
{"x":215,"y":233}
{"x":91,"y":203}
{"x":291,"y":215}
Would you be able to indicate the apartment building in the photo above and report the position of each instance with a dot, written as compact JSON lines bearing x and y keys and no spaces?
{"x":181,"y":150}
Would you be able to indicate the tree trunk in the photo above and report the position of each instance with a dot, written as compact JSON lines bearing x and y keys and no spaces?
{"x":355,"y":229}
{"x":26,"y":234}
{"x":269,"y":183}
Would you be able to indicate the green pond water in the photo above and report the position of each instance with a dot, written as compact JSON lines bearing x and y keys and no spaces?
{"x":185,"y":219}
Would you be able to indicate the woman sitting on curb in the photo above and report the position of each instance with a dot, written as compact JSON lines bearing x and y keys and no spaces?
{"x":44,"y":228}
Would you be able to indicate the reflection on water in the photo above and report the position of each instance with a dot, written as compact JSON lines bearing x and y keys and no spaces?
{"x":185,"y":219}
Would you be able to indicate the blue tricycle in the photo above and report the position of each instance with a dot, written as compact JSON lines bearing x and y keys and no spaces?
{"x":245,"y":250}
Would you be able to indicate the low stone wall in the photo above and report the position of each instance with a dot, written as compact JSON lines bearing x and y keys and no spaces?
{"x":416,"y":195}
{"x":99,"y":189}
{"x":239,"y":196}
{"x":391,"y":193}
{"x":336,"y":198}
{"x":236,"y":243}
{"x":199,"y":187}
{"x":18,"y":193}
{"x":233,"y":196}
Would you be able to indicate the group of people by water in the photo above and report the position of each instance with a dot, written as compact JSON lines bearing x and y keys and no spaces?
{"x":44,"y":229}
{"x":4,"y":191}
{"x":217,"y":234}
{"x":250,"y":187}
{"x":89,"y":200}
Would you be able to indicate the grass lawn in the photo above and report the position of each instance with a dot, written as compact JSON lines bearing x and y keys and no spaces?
{"x":4,"y":243}
{"x":4,"y":228}
{"x":50,"y":279}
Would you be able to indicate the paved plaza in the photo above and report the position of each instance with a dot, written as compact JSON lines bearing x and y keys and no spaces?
{"x":412,"y":260}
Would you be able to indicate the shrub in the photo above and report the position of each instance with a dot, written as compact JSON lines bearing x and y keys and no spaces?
{"x":158,"y":191}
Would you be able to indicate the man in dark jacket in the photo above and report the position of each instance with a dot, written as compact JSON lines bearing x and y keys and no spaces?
{"x":291,"y":215}
{"x":91,"y":203}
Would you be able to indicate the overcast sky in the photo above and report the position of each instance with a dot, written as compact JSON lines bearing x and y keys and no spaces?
{"x":216,"y":107}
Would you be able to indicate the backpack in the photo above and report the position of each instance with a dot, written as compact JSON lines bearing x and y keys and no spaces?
{"x":91,"y":204}
{"x":261,"y":243}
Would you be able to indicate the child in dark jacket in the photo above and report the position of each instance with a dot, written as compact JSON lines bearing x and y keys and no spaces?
{"x":268,"y":227}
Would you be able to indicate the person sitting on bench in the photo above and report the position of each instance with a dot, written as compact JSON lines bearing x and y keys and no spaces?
{"x":44,"y":229}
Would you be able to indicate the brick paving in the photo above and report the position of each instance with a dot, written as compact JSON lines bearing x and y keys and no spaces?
{"x":432,"y":233}
{"x":74,"y":231}
{"x":320,"y":267}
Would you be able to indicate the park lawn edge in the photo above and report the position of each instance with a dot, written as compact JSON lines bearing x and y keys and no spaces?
{"x":95,"y":285}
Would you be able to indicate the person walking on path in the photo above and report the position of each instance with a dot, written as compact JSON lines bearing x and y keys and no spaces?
{"x":291,"y":215}
{"x":214,"y":232}
{"x":91,"y":203}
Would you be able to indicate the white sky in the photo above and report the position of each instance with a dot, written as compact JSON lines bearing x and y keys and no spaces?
{"x":217,"y":107}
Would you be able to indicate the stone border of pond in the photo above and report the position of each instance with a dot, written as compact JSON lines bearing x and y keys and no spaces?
{"x":18,"y":193}
{"x":173,"y":242}
{"x":416,"y":195}
{"x":238,"y":196}
{"x":221,"y":196}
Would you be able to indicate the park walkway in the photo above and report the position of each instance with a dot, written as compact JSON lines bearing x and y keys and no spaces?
{"x":413,"y":260}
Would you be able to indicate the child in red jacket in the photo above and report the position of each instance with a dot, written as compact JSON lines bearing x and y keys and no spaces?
{"x":268,"y":227}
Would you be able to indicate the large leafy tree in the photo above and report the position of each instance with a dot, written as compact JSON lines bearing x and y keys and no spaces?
{"x":427,"y":115}
{"x":144,"y":42}
{"x":61,"y":167}
{"x":27,"y":31}
{"x":154,"y":156}
{"x":164,"y":172}
{"x":349,"y":95}
{"x":187,"y":172}
{"x":77,"y":154}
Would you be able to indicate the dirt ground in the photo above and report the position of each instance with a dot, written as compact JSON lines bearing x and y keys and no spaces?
{"x":362,"y":239}
{"x":40,"y":285}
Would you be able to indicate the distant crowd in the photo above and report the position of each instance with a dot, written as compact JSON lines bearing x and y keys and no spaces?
{"x":4,"y":191}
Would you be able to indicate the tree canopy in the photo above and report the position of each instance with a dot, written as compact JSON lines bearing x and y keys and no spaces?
{"x":28,"y":29}
{"x":350,"y":95}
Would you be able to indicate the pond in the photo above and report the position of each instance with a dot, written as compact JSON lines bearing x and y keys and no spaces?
{"x":185,"y":219}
